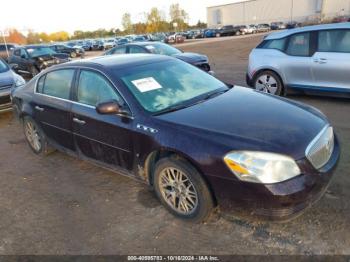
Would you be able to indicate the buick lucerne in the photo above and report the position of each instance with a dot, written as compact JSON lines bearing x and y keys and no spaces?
{"x":197,"y":141}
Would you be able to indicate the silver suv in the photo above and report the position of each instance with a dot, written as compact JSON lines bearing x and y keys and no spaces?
{"x":314,"y":59}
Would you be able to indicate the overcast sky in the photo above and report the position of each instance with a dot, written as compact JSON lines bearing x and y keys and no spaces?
{"x":69,"y":15}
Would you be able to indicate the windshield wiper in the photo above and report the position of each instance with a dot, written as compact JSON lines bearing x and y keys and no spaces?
{"x":172,"y":109}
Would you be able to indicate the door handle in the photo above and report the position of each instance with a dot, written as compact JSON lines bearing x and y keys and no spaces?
{"x":320,"y":60}
{"x":78,"y":121}
{"x":38,"y":108}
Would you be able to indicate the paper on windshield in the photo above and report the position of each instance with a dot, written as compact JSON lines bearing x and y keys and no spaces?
{"x":146,"y":84}
{"x":150,"y":47}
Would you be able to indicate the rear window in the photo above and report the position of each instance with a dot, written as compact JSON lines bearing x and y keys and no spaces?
{"x":278,"y":44}
{"x":56,"y":83}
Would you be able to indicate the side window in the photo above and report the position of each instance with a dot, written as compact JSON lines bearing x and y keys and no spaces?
{"x":334,"y":41}
{"x":93,"y":88}
{"x":119,"y":50}
{"x":278,"y":44}
{"x":57,"y":83}
{"x":2,"y":48}
{"x":23,"y":53}
{"x":299,"y":45}
{"x":17,"y":52}
{"x":136,"y":50}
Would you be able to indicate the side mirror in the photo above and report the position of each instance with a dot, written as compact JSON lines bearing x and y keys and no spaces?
{"x":111,"y":108}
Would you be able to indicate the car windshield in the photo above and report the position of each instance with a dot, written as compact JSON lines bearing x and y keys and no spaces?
{"x":40,"y":51}
{"x":162,"y":49}
{"x":164,"y":85}
{"x":3,"y":67}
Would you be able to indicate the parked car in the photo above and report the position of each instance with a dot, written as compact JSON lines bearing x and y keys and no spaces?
{"x":197,"y":141}
{"x":341,"y":19}
{"x":313,"y":59}
{"x":278,"y":26}
{"x":198,"y":60}
{"x":292,"y":24}
{"x":122,"y":41}
{"x":108,"y":44}
{"x":262,"y":28}
{"x":72,"y":52}
{"x":246,"y":29}
{"x":228,"y":30}
{"x":175,"y":38}
{"x":6,"y":50}
{"x":8,"y":80}
{"x":197,"y":34}
{"x":98,"y":45}
{"x":209,"y":33}
{"x":140,"y":39}
{"x":32,"y":59}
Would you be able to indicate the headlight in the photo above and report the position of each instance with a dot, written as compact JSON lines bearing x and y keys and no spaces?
{"x":260,"y":167}
{"x":77,"y":50}
{"x":19,"y":81}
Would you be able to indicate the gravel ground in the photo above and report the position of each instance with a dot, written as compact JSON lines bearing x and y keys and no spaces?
{"x":60,"y":205}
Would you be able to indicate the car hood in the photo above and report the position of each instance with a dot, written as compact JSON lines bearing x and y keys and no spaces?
{"x":6,"y":78}
{"x":244,"y":119}
{"x":191,"y":58}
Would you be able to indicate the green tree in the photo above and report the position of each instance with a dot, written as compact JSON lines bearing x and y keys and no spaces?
{"x":155,"y":21}
{"x":126,"y":23}
{"x":178,"y":16}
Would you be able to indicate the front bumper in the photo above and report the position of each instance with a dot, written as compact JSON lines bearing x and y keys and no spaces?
{"x":281,"y":201}
{"x":5,"y":101}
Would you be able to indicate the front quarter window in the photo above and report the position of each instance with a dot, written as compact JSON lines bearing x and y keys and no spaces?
{"x":299,"y":45}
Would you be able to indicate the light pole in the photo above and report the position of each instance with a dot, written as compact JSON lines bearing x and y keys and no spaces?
{"x":291,"y":11}
{"x":4,"y":39}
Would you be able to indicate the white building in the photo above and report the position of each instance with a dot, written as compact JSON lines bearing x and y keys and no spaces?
{"x":267,"y":11}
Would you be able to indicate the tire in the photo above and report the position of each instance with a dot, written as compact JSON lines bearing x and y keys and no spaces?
{"x":268,"y":82}
{"x":238,"y":33}
{"x":73,"y":54}
{"x":218,"y":35}
{"x":34,"y":71}
{"x":42,"y":148}
{"x":201,"y":205}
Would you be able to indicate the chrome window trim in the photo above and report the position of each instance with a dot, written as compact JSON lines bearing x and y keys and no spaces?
{"x":75,"y":102}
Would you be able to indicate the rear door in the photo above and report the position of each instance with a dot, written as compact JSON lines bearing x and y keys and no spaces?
{"x":104,"y":138}
{"x":52,"y":106}
{"x":298,"y":65}
{"x":331,"y":62}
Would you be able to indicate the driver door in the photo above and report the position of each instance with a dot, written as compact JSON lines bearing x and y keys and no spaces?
{"x":103,"y":138}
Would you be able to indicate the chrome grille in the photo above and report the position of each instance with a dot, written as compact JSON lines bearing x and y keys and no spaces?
{"x":321,"y":148}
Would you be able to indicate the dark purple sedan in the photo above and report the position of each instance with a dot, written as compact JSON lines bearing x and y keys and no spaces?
{"x":197,"y":141}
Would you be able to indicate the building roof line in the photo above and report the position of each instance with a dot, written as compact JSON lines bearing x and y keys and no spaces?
{"x":236,"y":3}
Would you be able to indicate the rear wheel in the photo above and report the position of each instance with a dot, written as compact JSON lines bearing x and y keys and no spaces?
{"x":268,"y":82}
{"x":73,"y":54}
{"x":35,"y":136}
{"x":238,"y":33}
{"x":182,"y":190}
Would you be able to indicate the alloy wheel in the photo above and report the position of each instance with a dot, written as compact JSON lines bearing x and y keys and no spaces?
{"x":178,"y":191}
{"x":33,"y":136}
{"x":266,"y":83}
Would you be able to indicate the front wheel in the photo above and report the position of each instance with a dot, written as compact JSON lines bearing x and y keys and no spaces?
{"x":268,"y":82}
{"x":73,"y":54}
{"x":182,"y":190}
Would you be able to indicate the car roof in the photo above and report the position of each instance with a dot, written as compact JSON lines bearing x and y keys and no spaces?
{"x":118,"y":61}
{"x":288,"y":32}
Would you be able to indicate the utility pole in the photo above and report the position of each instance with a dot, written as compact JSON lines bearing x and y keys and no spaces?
{"x":291,"y":11}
